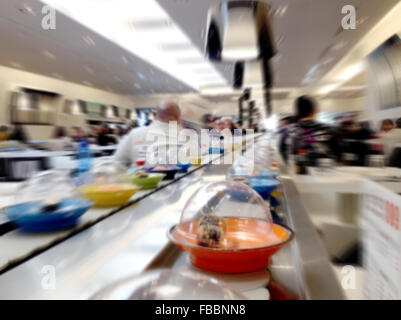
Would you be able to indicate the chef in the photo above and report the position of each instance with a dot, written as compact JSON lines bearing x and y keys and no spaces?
{"x":134,"y":148}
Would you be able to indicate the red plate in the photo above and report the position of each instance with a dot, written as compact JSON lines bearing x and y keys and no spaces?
{"x":248,"y":245}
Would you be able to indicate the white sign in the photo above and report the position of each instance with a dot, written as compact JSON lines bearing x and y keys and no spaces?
{"x":381,"y":242}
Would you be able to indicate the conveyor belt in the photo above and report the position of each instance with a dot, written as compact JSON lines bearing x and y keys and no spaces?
{"x":134,"y":239}
{"x":58,"y":237}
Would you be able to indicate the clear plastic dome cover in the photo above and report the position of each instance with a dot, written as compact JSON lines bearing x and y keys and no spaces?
{"x":50,"y":186}
{"x":105,"y":186}
{"x":228,"y":215}
{"x":247,"y":166}
{"x":105,"y":173}
{"x":168,"y":285}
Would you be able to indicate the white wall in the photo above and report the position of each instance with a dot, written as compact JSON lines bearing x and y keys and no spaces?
{"x":373,"y":111}
{"x":12,"y":79}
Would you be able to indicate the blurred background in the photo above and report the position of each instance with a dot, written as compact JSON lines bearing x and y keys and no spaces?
{"x":323,"y":82}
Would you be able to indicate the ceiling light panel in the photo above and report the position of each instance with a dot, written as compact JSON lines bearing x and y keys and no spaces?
{"x":144,"y":29}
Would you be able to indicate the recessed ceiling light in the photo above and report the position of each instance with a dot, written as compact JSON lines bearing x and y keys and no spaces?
{"x":24,"y":8}
{"x":89,"y":70}
{"x":49,"y":55}
{"x":125,"y":59}
{"x":89,"y":41}
{"x":118,"y":79}
{"x":140,"y":75}
{"x":137,"y":85}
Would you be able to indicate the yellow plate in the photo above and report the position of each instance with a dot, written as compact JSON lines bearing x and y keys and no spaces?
{"x":108,"y":198}
{"x":196,"y":161}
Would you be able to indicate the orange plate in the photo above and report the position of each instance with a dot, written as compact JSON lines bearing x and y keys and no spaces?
{"x":251,"y":251}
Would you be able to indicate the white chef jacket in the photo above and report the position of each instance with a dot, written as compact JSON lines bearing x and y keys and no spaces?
{"x":137,"y":143}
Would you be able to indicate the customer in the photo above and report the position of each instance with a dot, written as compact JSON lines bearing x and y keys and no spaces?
{"x":60,"y":140}
{"x":4,"y":133}
{"x":391,"y":139}
{"x":386,"y":126}
{"x":308,"y":135}
{"x":105,"y":137}
{"x":135,"y":145}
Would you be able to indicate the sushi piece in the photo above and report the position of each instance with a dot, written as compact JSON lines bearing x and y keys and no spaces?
{"x":211,"y":231}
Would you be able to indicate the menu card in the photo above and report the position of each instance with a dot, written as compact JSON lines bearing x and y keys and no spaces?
{"x":381,"y":242}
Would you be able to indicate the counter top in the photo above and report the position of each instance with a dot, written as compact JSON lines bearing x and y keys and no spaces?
{"x":134,"y":239}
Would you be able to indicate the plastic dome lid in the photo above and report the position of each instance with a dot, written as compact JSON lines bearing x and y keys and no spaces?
{"x":226,"y":215}
{"x":247,"y":166}
{"x":227,"y":227}
{"x":49,"y":187}
{"x":104,"y":173}
{"x":168,"y":285}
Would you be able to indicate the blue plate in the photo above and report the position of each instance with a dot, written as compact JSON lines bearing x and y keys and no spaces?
{"x":183,"y":167}
{"x":31,"y":217}
{"x":264,"y":186}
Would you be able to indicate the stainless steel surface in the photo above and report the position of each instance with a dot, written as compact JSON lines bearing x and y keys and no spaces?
{"x":119,"y":246}
{"x":134,"y":240}
{"x":304,"y":265}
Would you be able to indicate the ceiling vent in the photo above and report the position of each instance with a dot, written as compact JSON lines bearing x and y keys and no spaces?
{"x":150,"y":25}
